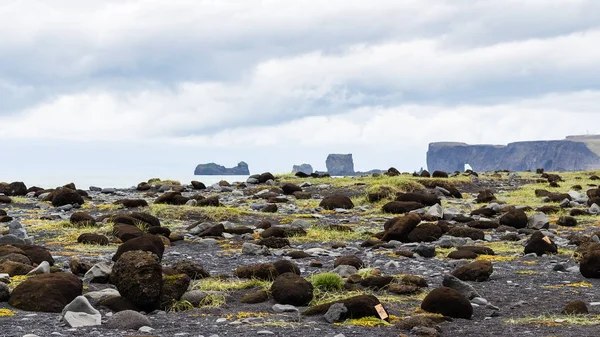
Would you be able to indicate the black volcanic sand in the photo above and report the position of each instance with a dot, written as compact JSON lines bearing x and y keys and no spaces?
{"x":521,"y":286}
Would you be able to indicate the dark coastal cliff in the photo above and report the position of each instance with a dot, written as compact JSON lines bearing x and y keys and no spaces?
{"x":572,"y":154}
{"x":340,"y":165}
{"x":212,"y":169}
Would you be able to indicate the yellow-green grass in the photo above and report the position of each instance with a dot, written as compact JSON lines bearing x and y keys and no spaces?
{"x":232,"y":284}
{"x":22,"y":200}
{"x":370,"y":322}
{"x":64,"y":230}
{"x":158,"y":181}
{"x":180,"y":305}
{"x":7,"y":313}
{"x":209,"y":213}
{"x":556,"y":320}
{"x":525,"y":195}
{"x":327,"y":281}
{"x":213,"y":301}
{"x":16,"y":280}
{"x":248,"y":314}
{"x":323,"y":234}
{"x":582,"y":284}
{"x":278,"y":324}
{"x":504,"y":247}
{"x":372,"y":184}
{"x":322,"y":297}
{"x":308,"y":203}
{"x":100,"y":206}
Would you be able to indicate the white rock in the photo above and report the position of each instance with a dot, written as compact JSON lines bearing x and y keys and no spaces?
{"x":79,"y":319}
{"x":99,"y":270}
{"x":43,"y":268}
{"x":279,"y":308}
{"x":145,"y":329}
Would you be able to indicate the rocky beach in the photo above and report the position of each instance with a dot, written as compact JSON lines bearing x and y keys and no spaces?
{"x":395,"y":254}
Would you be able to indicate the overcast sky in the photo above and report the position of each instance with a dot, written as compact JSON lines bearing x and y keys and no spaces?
{"x":154,"y":86}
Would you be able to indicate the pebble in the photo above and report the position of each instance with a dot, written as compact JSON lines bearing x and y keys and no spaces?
{"x":280,"y":308}
{"x":479,"y":301}
{"x":145,"y":329}
{"x":265,"y":332}
{"x":221,"y":320}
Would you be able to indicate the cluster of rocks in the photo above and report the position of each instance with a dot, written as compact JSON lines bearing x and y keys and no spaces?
{"x":137,"y":280}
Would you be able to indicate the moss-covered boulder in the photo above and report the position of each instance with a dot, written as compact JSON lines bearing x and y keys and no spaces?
{"x":173,"y":287}
{"x":150,"y":243}
{"x":138,"y":277}
{"x":46,"y":292}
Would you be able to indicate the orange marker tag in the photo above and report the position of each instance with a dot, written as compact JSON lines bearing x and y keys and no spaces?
{"x":547,"y":239}
{"x":381,"y":311}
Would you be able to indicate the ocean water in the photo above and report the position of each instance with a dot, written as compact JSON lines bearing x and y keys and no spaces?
{"x":112,"y":180}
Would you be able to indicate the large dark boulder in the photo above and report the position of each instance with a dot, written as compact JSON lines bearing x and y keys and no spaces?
{"x":402,"y":227}
{"x":14,"y":268}
{"x":567,"y":221}
{"x":358,"y":307}
{"x":126,"y":232}
{"x":261,"y":271}
{"x":448,"y":302}
{"x":145,"y":219}
{"x":171,"y":198}
{"x":424,"y":198}
{"x":425,"y":232}
{"x":483,"y":224}
{"x":478,"y":271}
{"x":117,"y":303}
{"x":377,"y":282}
{"x":148,"y":242}
{"x":336,"y":201}
{"x":285,"y":266}
{"x":37,"y":254}
{"x":289,"y":288}
{"x":589,"y":265}
{"x":216,"y":230}
{"x":197,"y":185}
{"x":138,"y":277}
{"x":264,"y":177}
{"x":173,"y":287}
{"x":210,"y":201}
{"x":540,"y":244}
{"x":82,"y":219}
{"x":514,"y":218}
{"x":466,"y":232}
{"x":439,"y":174}
{"x":132,"y":203}
{"x":485,"y":196}
{"x":46,"y":292}
{"x":192,"y":269}
{"x":289,"y":188}
{"x":401,"y":207}
{"x":349,"y":260}
{"x":93,"y":239}
{"x":16,"y":188}
{"x":66,"y":196}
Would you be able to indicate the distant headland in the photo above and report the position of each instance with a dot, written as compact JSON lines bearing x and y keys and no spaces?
{"x":212,"y":169}
{"x":575,"y":153}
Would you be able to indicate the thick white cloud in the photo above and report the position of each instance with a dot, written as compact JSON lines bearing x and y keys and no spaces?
{"x":301,"y":79}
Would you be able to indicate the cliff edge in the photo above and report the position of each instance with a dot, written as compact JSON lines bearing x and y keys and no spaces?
{"x":212,"y":169}
{"x":576,"y":153}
